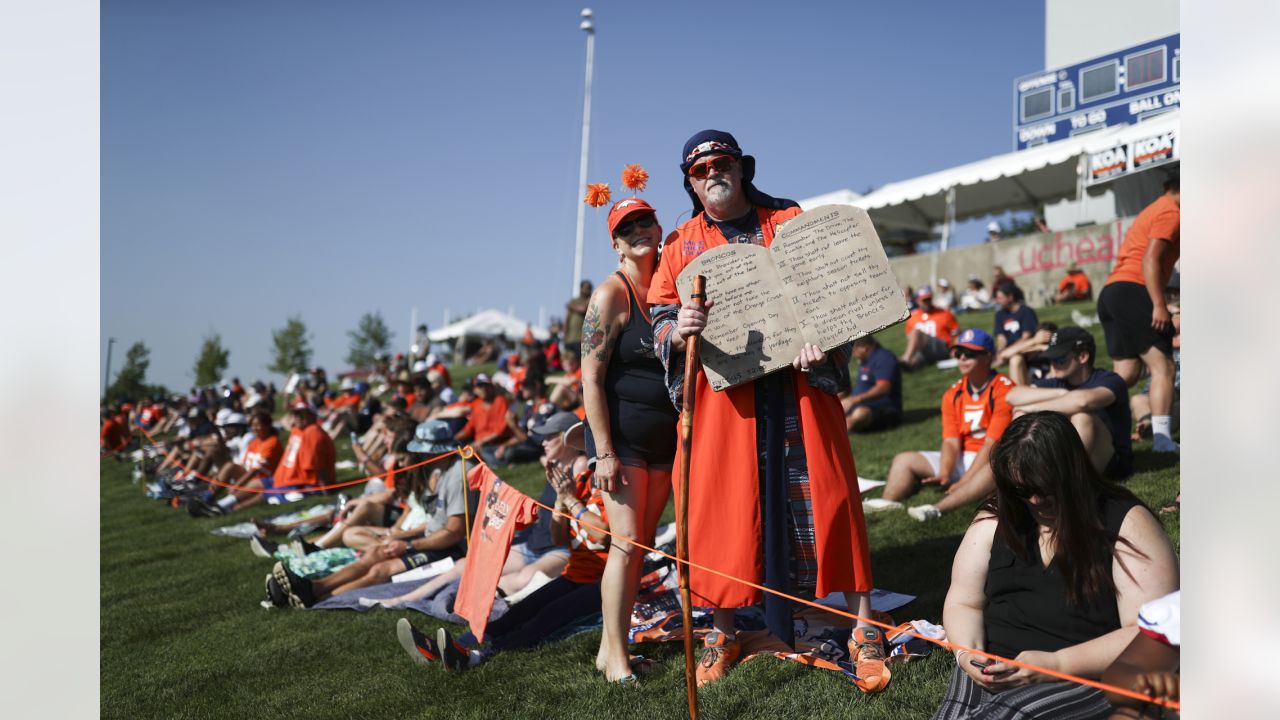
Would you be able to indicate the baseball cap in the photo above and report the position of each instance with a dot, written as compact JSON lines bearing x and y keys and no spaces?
{"x":234,"y":418}
{"x":483,"y":379}
{"x":624,"y":209}
{"x":1068,"y":340}
{"x":420,"y":367}
{"x":993,"y":226}
{"x":432,"y":436}
{"x":975,"y":339}
{"x":556,"y":424}
{"x":302,"y":405}
{"x":924,"y":292}
{"x":944,"y":283}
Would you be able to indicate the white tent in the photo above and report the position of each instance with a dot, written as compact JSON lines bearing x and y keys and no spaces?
{"x":1013,"y":181}
{"x":486,"y":324}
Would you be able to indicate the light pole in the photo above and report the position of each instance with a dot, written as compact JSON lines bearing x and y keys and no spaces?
{"x":106,"y":379}
{"x":588,"y":26}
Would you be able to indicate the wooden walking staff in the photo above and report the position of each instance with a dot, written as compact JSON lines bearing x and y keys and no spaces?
{"x":691,"y":365}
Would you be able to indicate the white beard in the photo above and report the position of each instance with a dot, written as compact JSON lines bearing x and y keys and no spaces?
{"x":719,"y":197}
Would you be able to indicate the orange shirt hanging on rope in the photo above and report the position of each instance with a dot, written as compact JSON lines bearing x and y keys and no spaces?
{"x":308,"y":458}
{"x":504,"y":511}
{"x":725,"y":519}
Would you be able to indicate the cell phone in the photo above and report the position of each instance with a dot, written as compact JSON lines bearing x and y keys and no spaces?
{"x":981,"y":662}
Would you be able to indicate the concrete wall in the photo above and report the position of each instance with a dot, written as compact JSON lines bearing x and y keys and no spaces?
{"x":1036,"y":262}
{"x":1076,"y":30}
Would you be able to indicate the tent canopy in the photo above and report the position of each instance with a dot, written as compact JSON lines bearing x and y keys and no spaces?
{"x":487,"y":324}
{"x":1013,"y":181}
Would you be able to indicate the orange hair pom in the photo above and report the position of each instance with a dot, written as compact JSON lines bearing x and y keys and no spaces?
{"x":635,"y":177}
{"x":597,"y":194}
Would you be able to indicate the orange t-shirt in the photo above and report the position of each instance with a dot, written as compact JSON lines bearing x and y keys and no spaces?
{"x":1161,"y":219}
{"x":587,"y":558}
{"x":503,"y":510}
{"x":114,"y":436}
{"x":1079,"y":283}
{"x":936,"y":323}
{"x":409,"y":399}
{"x":309,"y":453}
{"x":263,"y":455}
{"x":486,"y":421}
{"x":973,"y":420}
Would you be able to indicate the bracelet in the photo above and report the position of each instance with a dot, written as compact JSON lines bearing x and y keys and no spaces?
{"x":606,"y":455}
{"x":578,"y":515}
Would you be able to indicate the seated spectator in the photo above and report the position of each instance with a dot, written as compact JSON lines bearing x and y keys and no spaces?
{"x":1023,"y":357}
{"x":573,"y":596}
{"x":975,"y":413}
{"x":249,"y":471}
{"x":436,"y":365}
{"x":524,"y":445}
{"x":1096,"y":401}
{"x":566,"y":392}
{"x":994,"y":234}
{"x":441,"y":388}
{"x":344,"y":412}
{"x":152,"y":413}
{"x":929,"y":330}
{"x":486,"y":426}
{"x":876,"y":400}
{"x":487,"y":352}
{"x":1051,"y":573}
{"x":945,"y":297}
{"x":999,"y":276}
{"x":1149,"y":665}
{"x":1014,"y":319}
{"x":308,"y":460}
{"x":976,"y":296}
{"x":1073,"y":286}
{"x":114,"y":436}
{"x":439,"y":486}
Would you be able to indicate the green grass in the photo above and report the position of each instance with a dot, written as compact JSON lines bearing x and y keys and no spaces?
{"x":183,"y":635}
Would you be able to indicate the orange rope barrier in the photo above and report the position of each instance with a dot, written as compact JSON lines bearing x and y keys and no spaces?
{"x":954,"y":647}
{"x":302,"y":489}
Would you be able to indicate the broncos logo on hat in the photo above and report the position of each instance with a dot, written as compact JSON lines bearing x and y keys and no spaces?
{"x":626,"y":203}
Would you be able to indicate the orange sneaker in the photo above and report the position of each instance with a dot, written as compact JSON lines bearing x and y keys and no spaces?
{"x":718,"y":655}
{"x":866,"y":653}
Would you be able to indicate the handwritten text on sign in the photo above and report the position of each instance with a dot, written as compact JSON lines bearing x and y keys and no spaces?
{"x":825,"y":280}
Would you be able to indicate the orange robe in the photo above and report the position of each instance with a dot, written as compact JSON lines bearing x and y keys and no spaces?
{"x":725,"y":518}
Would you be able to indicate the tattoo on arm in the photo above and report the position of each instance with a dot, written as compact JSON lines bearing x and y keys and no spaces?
{"x":595,"y":334}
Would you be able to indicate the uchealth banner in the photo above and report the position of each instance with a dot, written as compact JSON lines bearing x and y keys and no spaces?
{"x":1132,"y":156}
{"x":504,"y":511}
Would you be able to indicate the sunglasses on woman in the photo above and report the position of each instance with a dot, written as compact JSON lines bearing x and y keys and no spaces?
{"x":720,"y":164}
{"x":624,"y":228}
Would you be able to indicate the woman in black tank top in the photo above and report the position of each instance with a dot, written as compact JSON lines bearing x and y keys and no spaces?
{"x":1051,"y":573}
{"x":630,"y":418}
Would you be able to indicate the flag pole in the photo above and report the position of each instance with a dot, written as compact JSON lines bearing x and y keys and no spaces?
{"x":691,"y":364}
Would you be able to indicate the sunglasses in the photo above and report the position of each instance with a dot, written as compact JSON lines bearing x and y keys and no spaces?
{"x":624,"y":228}
{"x":720,"y":164}
{"x":965,"y":353}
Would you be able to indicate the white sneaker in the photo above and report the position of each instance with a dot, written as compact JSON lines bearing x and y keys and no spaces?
{"x":880,"y":504}
{"x":924,"y":513}
{"x":1164,"y":444}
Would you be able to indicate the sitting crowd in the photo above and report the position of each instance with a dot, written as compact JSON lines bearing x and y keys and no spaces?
{"x":1052,"y":571}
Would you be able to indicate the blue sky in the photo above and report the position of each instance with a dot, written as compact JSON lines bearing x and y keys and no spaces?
{"x":268,"y":158}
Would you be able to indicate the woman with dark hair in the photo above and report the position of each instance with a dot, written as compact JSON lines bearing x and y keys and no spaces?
{"x":631,"y":421}
{"x":1051,"y":573}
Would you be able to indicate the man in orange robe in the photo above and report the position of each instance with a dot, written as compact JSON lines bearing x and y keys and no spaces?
{"x":773,"y":495}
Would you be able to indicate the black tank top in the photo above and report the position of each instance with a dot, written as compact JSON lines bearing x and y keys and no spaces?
{"x":635,"y":374}
{"x":1027,"y":607}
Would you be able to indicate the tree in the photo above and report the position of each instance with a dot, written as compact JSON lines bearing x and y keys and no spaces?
{"x":291,"y":347}
{"x":212,"y":360}
{"x":368,"y":340}
{"x":131,"y":382}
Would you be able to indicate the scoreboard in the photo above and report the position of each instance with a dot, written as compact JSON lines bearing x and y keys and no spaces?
{"x":1123,"y":87}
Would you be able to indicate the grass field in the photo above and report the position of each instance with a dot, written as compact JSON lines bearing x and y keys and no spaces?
{"x":183,"y":635}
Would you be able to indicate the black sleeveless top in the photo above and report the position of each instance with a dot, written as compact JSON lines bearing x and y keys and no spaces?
{"x":635,"y":374}
{"x":1027,"y":607}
